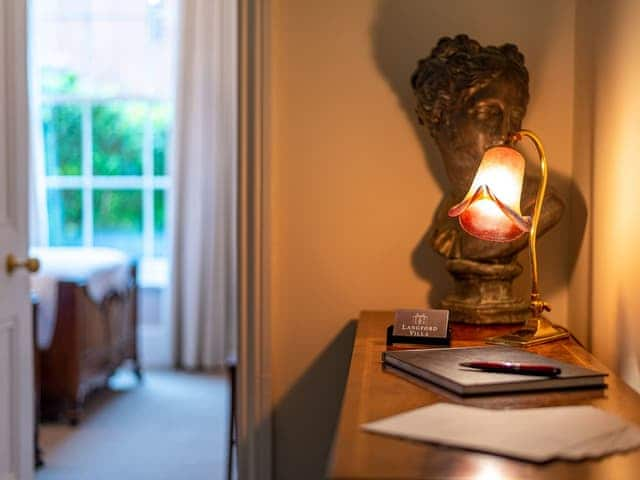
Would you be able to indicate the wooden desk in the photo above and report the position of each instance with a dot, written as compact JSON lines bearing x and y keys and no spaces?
{"x":372,"y":393}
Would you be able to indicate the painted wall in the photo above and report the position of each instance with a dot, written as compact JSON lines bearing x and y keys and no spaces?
{"x":355,"y":182}
{"x":616,"y":176}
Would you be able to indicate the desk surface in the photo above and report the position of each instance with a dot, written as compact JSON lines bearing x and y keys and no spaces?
{"x":372,"y":393}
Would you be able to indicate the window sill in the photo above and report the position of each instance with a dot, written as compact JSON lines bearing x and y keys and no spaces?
{"x":153,"y":272}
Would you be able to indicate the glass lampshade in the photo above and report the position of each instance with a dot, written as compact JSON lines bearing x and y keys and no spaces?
{"x":491,"y":208}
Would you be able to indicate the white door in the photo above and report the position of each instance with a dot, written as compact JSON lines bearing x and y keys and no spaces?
{"x":16,"y":350}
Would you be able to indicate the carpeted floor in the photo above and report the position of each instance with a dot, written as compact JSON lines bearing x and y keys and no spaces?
{"x":173,"y":426}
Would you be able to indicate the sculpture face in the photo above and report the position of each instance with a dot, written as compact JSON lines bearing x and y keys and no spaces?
{"x":484,"y":119}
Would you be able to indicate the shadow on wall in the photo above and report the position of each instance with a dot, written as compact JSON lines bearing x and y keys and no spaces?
{"x":399,"y":39}
{"x":306,"y":417}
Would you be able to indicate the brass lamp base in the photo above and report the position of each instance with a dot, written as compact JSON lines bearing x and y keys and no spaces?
{"x":537,"y":330}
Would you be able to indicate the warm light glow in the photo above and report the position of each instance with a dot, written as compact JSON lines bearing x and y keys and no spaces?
{"x":488,"y":471}
{"x":491,"y":208}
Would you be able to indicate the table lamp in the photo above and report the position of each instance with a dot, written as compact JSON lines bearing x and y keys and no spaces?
{"x":491,"y":211}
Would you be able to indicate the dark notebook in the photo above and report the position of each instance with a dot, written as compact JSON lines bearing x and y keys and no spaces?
{"x":441,"y":366}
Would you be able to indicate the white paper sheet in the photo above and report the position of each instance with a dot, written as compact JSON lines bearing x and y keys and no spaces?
{"x":533,"y":434}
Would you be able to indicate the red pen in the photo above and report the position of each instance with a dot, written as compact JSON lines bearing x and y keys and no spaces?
{"x":511,"y":367}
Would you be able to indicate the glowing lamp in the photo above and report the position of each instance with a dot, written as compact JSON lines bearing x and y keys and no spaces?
{"x":491,"y":208}
{"x":491,"y":211}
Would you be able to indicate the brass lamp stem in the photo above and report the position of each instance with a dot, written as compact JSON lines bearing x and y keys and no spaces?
{"x":537,"y":329}
{"x":537,"y":304}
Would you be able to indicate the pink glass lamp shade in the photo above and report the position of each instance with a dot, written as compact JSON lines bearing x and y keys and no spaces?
{"x":491,"y":208}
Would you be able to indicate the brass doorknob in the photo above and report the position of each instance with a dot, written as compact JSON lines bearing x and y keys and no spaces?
{"x":31,"y":264}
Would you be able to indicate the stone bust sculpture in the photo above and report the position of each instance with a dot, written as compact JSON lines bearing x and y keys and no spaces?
{"x":470,"y":98}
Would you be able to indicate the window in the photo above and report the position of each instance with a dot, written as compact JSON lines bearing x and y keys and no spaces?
{"x":106,"y":172}
{"x":104,"y":72}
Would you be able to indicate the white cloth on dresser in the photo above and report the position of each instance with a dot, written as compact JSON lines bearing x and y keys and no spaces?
{"x":102,"y":270}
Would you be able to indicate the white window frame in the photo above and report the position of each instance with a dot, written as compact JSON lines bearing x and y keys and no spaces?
{"x":87,"y":182}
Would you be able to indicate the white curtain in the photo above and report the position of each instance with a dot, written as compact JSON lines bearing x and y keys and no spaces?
{"x":38,"y":218}
{"x":204,"y":152}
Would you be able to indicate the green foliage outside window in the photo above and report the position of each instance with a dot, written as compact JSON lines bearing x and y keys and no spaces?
{"x":65,"y":217}
{"x":62,"y":134}
{"x":119,"y":210}
{"x":118,"y":131}
{"x":117,"y":219}
{"x":160,"y":117}
{"x":158,"y":215}
{"x":56,"y":82}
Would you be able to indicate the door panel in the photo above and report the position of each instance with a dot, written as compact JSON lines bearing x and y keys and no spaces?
{"x":6,"y":381}
{"x":16,"y":349}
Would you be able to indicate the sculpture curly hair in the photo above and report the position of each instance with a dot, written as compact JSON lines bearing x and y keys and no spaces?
{"x":456,"y":69}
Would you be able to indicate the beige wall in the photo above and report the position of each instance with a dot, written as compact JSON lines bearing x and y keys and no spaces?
{"x":354,"y":182}
{"x":616,"y":180}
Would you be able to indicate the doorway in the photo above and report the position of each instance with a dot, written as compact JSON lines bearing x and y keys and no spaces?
{"x":109,"y":207}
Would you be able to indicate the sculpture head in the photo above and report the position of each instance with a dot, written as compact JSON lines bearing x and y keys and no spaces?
{"x":471,"y":98}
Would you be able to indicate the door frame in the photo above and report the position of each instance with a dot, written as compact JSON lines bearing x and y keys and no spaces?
{"x":254,"y":409}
